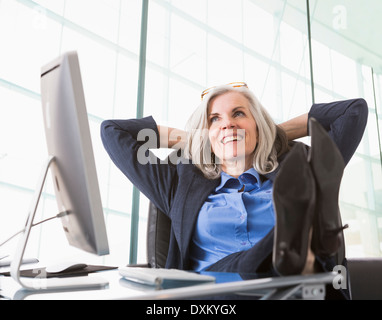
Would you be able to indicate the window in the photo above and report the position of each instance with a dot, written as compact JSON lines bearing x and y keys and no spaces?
{"x":191,"y":45}
{"x":107,"y":41}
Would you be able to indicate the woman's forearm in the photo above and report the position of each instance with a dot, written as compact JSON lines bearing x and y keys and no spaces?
{"x":296,"y":128}
{"x":172,"y":137}
{"x":175,"y":138}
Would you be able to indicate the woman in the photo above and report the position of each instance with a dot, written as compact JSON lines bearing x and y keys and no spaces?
{"x":219,"y":196}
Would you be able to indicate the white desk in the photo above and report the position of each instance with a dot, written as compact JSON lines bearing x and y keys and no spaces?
{"x":310,"y":287}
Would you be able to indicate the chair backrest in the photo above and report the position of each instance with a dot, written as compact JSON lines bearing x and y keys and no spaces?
{"x":158,"y":237}
{"x":365,"y":275}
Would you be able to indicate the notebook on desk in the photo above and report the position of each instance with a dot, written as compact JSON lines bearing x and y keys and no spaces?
{"x":164,"y":278}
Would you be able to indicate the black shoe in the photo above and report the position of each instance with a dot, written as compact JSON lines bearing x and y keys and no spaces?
{"x":294,"y":204}
{"x":328,"y":166}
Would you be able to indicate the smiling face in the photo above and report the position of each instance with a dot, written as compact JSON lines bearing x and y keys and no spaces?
{"x":232,"y":130}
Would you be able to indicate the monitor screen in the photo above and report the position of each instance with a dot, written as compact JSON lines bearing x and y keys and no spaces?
{"x":69,"y":142}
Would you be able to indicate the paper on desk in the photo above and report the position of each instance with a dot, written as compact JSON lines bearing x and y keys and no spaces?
{"x":163,"y":277}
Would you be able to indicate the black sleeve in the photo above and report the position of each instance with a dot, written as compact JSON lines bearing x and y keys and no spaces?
{"x":345,"y":122}
{"x":127,"y":143}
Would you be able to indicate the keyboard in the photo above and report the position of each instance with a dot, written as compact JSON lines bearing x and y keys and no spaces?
{"x":164,"y":278}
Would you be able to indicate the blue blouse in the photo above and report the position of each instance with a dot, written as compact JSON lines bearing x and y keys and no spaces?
{"x":232,"y":221}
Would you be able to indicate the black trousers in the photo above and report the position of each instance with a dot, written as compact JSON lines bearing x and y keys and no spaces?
{"x":258,"y":259}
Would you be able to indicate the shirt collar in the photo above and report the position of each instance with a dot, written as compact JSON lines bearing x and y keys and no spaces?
{"x":249,"y":178}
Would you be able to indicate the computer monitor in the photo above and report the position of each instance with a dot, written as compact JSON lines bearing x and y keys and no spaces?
{"x":72,"y":165}
{"x":68,"y":140}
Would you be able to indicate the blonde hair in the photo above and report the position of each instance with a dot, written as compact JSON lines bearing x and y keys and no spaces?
{"x":272,"y":140}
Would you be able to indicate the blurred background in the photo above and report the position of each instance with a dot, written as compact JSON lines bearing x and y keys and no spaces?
{"x":291,"y":53}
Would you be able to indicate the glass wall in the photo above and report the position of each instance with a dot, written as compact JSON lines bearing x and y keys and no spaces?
{"x":347,"y":63}
{"x":191,"y":45}
{"x":32,"y":33}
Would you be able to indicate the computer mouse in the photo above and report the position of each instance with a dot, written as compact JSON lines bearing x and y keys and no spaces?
{"x":66,"y":267}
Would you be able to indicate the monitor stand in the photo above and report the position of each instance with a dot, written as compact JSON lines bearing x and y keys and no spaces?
{"x":42,"y":283}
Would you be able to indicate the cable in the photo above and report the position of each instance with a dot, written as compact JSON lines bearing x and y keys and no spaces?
{"x":60,"y":215}
{"x":21,"y":231}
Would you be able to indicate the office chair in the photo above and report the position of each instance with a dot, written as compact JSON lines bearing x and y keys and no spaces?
{"x":365,"y":277}
{"x":158,"y":237}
